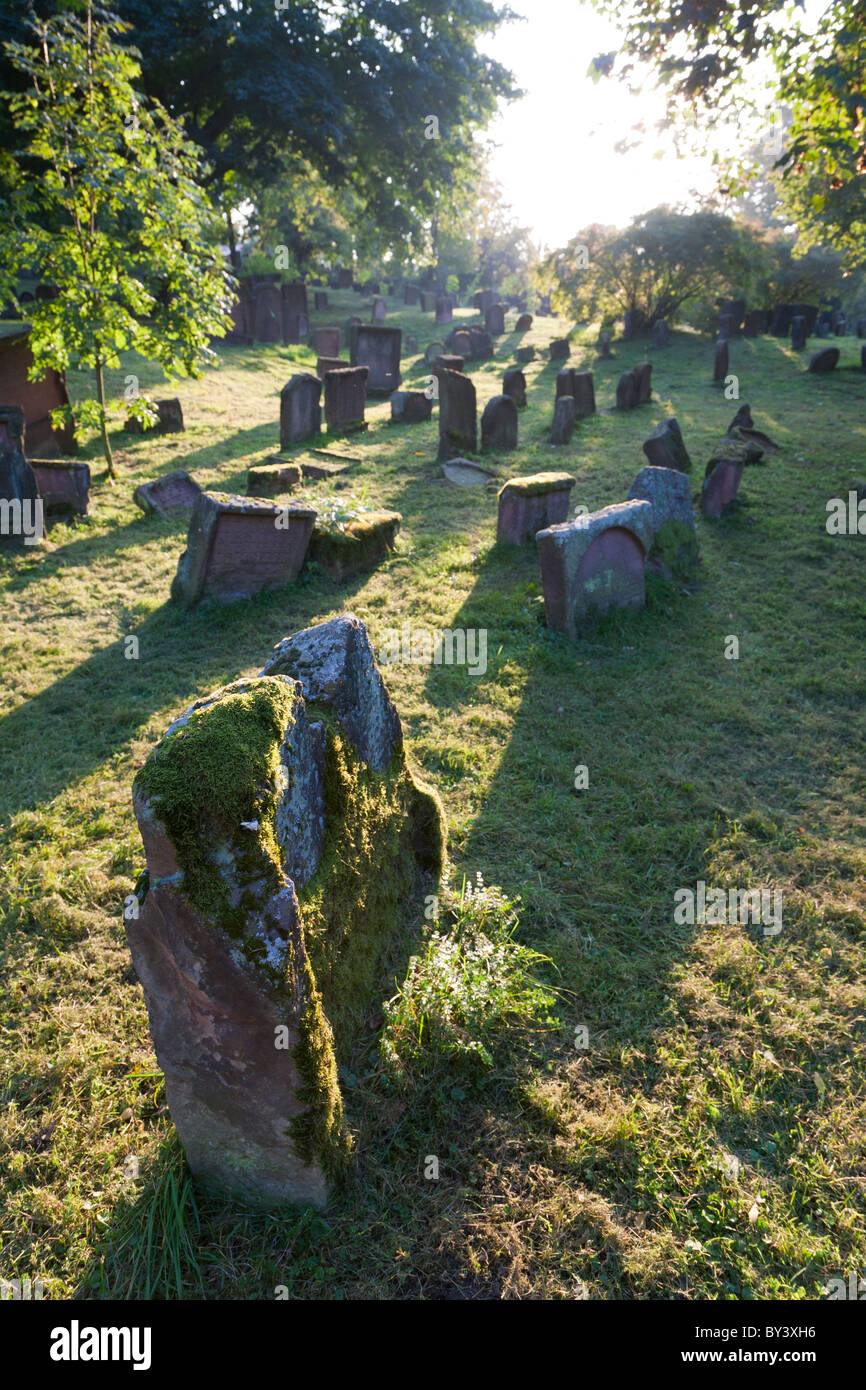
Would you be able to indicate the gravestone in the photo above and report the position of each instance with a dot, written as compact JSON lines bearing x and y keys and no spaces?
{"x":798,"y":333}
{"x":564,"y":419}
{"x":838,"y":324}
{"x":480,"y":344}
{"x":643,"y":382}
{"x":661,"y":334}
{"x":296,"y":328}
{"x":412,"y":296}
{"x":544,"y":309}
{"x":410,"y":407}
{"x":726,"y":326}
{"x":483,"y":299}
{"x":514,"y":385}
{"x":525,"y":354}
{"x":626,"y":392}
{"x":320,"y":300}
{"x":330,"y":364}
{"x":326,"y":342}
{"x":755,"y":323}
{"x":64,"y":486}
{"x":300,"y":409}
{"x":524,"y":323}
{"x":593,"y":564}
{"x":720,"y":362}
{"x":780,"y":324}
{"x":720,"y":485}
{"x":810,"y":313}
{"x":356,"y":546}
{"x":825,"y":360}
{"x":432,"y":351}
{"x":494,"y":319}
{"x":460,"y":343}
{"x":346,"y":400}
{"x":378,"y":349}
{"x":294,"y":298}
{"x":665,"y":448}
{"x":19,"y":493}
{"x":674,"y":547}
{"x":458,"y":428}
{"x":380,"y":311}
{"x":344,"y":278}
{"x":447,"y":362}
{"x":528,"y":505}
{"x":560,"y":349}
{"x":861,"y":328}
{"x":268,"y":314}
{"x":499,"y":424}
{"x":239,"y":546}
{"x":272,"y":479}
{"x":171,"y":492}
{"x":444,"y":310}
{"x":254,"y":980}
{"x":604,"y":344}
{"x":580,"y":385}
{"x":735,"y":310}
{"x":628,"y":327}
{"x":169,"y":420}
{"x":742,"y":427}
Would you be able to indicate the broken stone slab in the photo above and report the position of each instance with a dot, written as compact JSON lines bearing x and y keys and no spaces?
{"x":464,"y":473}
{"x":595,"y":563}
{"x":458,"y":422}
{"x":239,"y":546}
{"x":720,"y":486}
{"x":300,"y":409}
{"x":169,"y":419}
{"x":665,"y":447}
{"x":674,"y":548}
{"x":271,"y":479}
{"x":308,"y":470}
{"x":528,"y":505}
{"x":825,"y":360}
{"x":499,"y":425}
{"x":564,"y":419}
{"x":514,"y":385}
{"x":64,"y":486}
{"x":361,"y":544}
{"x":411,"y":407}
{"x":743,"y":427}
{"x":171,"y":492}
{"x":274,"y":914}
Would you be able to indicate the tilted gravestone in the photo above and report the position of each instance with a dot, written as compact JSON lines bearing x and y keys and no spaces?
{"x":643,"y":373}
{"x":560,"y":349}
{"x":742,"y":427}
{"x":378,"y":349}
{"x":330,"y":364}
{"x":720,"y":485}
{"x":514,"y":385}
{"x":524,"y":323}
{"x":169,"y":419}
{"x":665,"y":448}
{"x":494,"y":319}
{"x":528,"y":505}
{"x":444,"y":311}
{"x":239,"y":546}
{"x":300,"y":409}
{"x":626,"y":392}
{"x":499,"y":424}
{"x":356,"y":546}
{"x":326,"y":342}
{"x":458,"y":427}
{"x":825,"y":360}
{"x":410,"y":407}
{"x":798,"y":333}
{"x":564,"y":419}
{"x":64,"y":486}
{"x":346,"y":400}
{"x":720,"y":362}
{"x":674,"y":547}
{"x":173,"y":491}
{"x":594,"y":564}
{"x":274,"y":915}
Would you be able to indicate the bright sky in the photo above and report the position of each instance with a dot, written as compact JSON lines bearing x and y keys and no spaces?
{"x":556,"y":159}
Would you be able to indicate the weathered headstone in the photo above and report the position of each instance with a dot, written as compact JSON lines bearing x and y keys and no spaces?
{"x":524,"y":323}
{"x":378,"y":349}
{"x":346,"y":400}
{"x":742,"y":427}
{"x":525,"y":354}
{"x":255,"y":982}
{"x":379,"y":311}
{"x":674,"y":547}
{"x":326,"y":342}
{"x":494,"y":319}
{"x":626,"y":391}
{"x":330,"y":364}
{"x":460,"y":343}
{"x":173,"y":491}
{"x":720,"y":362}
{"x":238,"y":546}
{"x":169,"y":419}
{"x":798,"y":333}
{"x":64,"y":486}
{"x":604,"y":344}
{"x":580,"y":385}
{"x":780,"y":324}
{"x":514,"y":385}
{"x":300,"y":409}
{"x":594,"y":564}
{"x":643,"y":373}
{"x":838,"y":323}
{"x":825,"y":360}
{"x":447,"y":362}
{"x":21,"y":517}
{"x":412,"y":296}
{"x":296,"y":328}
{"x":726,"y":326}
{"x":560,"y":349}
{"x":628,"y":326}
{"x":528,"y":505}
{"x":480,"y":344}
{"x":345,"y":277}
{"x":410,"y":407}
{"x":499,"y":424}
{"x":272,"y":479}
{"x":564,"y":419}
{"x":720,"y":485}
{"x":458,"y":427}
{"x":320,"y":300}
{"x":432,"y":351}
{"x":444,"y":310}
{"x":268,"y":314}
{"x":665,"y":448}
{"x":356,"y":546}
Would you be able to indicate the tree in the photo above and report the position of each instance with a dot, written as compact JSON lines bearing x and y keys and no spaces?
{"x":654,"y":266}
{"x":107,"y":208}
{"x":703,"y":54}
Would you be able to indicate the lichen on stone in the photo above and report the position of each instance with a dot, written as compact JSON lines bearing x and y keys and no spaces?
{"x":538,"y":483}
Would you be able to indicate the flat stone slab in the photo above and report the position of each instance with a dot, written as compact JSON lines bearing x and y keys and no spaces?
{"x":594,"y":564}
{"x":271,"y":479}
{"x":64,"y":485}
{"x":464,"y":473}
{"x":171,"y":492}
{"x":528,"y":505}
{"x":239,"y":546}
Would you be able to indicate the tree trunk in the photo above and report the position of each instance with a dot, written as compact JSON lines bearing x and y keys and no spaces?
{"x":106,"y":447}
{"x":233,"y":246}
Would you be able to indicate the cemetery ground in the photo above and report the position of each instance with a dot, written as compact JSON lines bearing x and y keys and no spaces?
{"x":708,"y":1142}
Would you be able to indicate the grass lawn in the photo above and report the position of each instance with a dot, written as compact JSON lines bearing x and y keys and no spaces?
{"x":709,"y":1140}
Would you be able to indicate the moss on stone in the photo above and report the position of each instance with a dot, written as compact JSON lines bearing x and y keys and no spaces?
{"x":537,"y":483}
{"x":676,"y":546}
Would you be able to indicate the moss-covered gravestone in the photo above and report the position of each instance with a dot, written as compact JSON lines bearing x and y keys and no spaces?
{"x":594,"y":564}
{"x":286,"y":841}
{"x":674,"y":548}
{"x":528,"y":505}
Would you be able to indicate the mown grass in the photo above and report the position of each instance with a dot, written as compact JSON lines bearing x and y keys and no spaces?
{"x":708,"y":1142}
